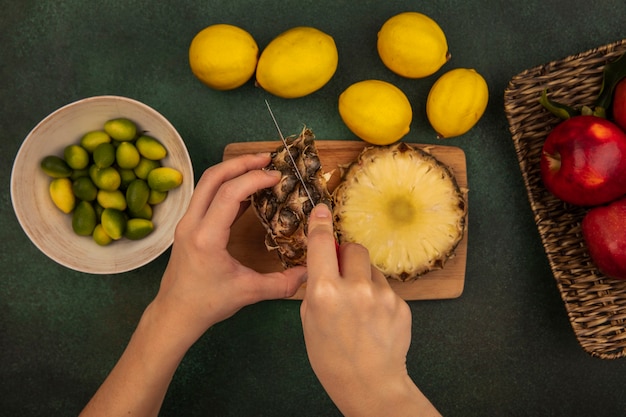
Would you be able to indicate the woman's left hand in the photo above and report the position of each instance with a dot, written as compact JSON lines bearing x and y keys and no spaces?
{"x":203,"y":284}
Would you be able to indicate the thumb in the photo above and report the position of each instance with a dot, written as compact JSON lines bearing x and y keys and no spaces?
{"x":279,"y":285}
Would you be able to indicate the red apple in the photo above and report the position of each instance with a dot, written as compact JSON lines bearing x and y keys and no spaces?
{"x":584,"y":161}
{"x":604,"y":231}
{"x":619,"y":104}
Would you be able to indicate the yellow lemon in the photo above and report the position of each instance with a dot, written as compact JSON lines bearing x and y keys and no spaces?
{"x":297,"y":62}
{"x":376,"y":111}
{"x":456,"y":102}
{"x":223,"y":56}
{"x":412,"y":45}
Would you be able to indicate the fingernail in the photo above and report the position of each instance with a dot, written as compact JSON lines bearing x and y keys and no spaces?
{"x":321,"y":211}
{"x":273,"y":173}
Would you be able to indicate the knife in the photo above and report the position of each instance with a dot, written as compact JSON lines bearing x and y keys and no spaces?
{"x":296,"y":170}
{"x":293,"y":161}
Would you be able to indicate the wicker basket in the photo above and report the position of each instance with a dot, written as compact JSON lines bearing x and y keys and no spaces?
{"x":596,"y":305}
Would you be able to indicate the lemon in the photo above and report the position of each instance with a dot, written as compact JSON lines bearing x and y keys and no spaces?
{"x":297,"y":62}
{"x":412,"y":45}
{"x":223,"y":56}
{"x":84,"y":219}
{"x":100,"y":236}
{"x":456,"y":102}
{"x":164,"y":179}
{"x":61,"y":193}
{"x":121,"y":129}
{"x":376,"y":111}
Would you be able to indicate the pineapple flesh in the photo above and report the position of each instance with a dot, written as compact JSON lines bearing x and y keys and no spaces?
{"x":284,"y":209}
{"x":404,"y":206}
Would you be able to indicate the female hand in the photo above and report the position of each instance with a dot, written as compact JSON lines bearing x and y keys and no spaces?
{"x":203,"y":284}
{"x":356,"y":329}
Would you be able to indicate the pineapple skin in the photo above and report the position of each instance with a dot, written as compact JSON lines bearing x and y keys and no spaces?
{"x":404,"y":206}
{"x":284,"y":209}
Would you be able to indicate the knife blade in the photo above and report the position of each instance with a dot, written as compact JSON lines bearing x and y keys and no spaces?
{"x":298,"y":174}
{"x":293,"y":161}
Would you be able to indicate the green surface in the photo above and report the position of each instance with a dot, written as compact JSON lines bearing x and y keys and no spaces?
{"x":504,"y":348}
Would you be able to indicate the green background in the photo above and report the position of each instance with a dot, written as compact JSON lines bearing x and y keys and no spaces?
{"x":504,"y":348}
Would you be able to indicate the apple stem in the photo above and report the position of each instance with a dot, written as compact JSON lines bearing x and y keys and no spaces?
{"x":554,"y":161}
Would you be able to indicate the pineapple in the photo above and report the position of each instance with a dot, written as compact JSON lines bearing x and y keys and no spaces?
{"x":284,"y":209}
{"x":404,"y":206}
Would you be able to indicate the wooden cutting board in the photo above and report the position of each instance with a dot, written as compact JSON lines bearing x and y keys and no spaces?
{"x":247,"y":243}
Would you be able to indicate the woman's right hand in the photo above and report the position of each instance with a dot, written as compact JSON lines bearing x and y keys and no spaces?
{"x":357,"y":330}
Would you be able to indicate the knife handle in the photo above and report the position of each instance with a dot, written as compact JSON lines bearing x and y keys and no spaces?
{"x":338,"y":259}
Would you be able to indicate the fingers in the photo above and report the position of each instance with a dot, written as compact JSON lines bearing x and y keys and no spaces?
{"x":229,"y":199}
{"x":255,"y":287}
{"x":215,"y":176}
{"x":280,"y":284}
{"x":355,"y":262}
{"x":378,"y":277}
{"x":321,"y":253}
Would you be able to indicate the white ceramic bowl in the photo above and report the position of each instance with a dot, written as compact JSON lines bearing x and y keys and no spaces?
{"x":50,"y":230}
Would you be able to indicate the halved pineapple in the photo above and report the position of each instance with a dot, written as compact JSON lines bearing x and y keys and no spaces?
{"x":404,"y":206}
{"x":284,"y":209}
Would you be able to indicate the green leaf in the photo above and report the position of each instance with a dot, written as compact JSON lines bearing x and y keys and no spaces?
{"x":612,"y":74}
{"x":558,"y":109}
